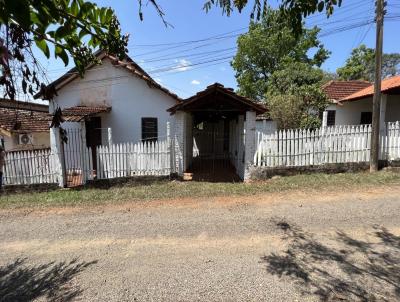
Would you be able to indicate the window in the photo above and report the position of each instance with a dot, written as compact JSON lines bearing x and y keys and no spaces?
{"x":149,"y":129}
{"x":331,"y":118}
{"x":366,"y":118}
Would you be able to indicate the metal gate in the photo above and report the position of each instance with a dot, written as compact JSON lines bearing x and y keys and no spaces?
{"x":211,"y":159}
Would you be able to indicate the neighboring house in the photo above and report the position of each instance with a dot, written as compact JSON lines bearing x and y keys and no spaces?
{"x":352,"y":102}
{"x":23,"y":125}
{"x":265,"y":125}
{"x":115,"y":95}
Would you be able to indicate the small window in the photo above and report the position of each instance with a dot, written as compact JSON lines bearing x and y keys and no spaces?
{"x":331,"y":119}
{"x":366,"y":118}
{"x":149,"y":129}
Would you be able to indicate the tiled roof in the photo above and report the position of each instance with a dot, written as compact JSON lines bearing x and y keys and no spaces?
{"x":337,"y":90}
{"x":219,"y":88}
{"x":128,"y":64}
{"x":387,"y":85}
{"x":20,"y":120}
{"x":78,"y":113}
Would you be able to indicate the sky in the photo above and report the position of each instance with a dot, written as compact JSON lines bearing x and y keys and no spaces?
{"x":196,"y":49}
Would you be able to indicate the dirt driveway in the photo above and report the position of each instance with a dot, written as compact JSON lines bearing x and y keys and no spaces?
{"x":328,"y":246}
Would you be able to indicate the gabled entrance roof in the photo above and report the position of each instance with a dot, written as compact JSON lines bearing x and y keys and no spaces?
{"x":218,"y":98}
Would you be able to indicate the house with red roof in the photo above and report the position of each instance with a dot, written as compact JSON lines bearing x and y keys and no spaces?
{"x":352,"y":102}
{"x":24,"y":125}
{"x":119,"y":102}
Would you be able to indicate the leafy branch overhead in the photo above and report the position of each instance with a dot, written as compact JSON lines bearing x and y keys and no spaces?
{"x":295,"y":10}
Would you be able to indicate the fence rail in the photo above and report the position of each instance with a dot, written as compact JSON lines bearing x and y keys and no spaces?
{"x":30,"y":167}
{"x":128,"y":159}
{"x":339,"y":144}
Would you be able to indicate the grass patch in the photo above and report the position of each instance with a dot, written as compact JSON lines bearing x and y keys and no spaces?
{"x":174,"y":189}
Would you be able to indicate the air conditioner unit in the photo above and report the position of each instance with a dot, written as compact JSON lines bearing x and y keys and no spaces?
{"x":25,"y":139}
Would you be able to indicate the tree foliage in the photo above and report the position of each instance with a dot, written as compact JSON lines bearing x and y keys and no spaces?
{"x":294,"y":10}
{"x":294,"y":98}
{"x":361,"y":65}
{"x":267,"y":47}
{"x":62,"y":28}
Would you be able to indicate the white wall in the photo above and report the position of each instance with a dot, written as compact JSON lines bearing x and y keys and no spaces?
{"x":41,"y":140}
{"x":350,"y":112}
{"x":131,"y":99}
{"x":266,"y":126}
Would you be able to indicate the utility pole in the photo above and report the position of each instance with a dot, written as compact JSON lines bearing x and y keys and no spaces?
{"x":376,"y":103}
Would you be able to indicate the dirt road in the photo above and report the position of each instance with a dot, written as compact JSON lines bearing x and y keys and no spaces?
{"x":278,"y":247}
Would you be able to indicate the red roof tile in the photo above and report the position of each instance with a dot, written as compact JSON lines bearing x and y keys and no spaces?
{"x":21,"y":120}
{"x":78,"y":113}
{"x":387,"y":85}
{"x":337,"y":90}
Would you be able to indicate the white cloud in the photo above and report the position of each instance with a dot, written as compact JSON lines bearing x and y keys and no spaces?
{"x":195,"y":82}
{"x":222,"y":68}
{"x":158,"y":80}
{"x":182,"y":65}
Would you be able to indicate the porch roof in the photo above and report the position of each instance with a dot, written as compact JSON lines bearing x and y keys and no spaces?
{"x":79,"y":113}
{"x":217,"y":97}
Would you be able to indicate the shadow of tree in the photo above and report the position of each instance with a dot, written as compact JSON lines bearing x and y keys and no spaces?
{"x":341,"y":268}
{"x":52,"y":281}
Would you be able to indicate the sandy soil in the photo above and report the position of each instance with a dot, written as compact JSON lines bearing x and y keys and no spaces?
{"x":297,"y":246}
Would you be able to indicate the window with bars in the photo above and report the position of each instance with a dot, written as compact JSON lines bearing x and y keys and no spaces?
{"x":331,"y":119}
{"x":149,"y":128}
{"x":366,"y":118}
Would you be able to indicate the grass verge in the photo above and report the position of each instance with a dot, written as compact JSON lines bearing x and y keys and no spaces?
{"x":174,"y":189}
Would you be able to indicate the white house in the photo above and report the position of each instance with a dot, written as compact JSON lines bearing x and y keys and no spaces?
{"x":352,"y":102}
{"x":118,"y":102}
{"x":117,"y":95}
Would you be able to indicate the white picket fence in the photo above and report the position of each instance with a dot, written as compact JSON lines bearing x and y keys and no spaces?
{"x":30,"y":167}
{"x":391,"y":142}
{"x":339,"y":144}
{"x":128,"y":159}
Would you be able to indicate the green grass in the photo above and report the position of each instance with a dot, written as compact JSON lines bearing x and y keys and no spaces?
{"x":176,"y":189}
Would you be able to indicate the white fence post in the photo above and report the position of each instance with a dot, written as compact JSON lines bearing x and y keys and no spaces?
{"x":57,"y":149}
{"x":109,"y":136}
{"x":250,"y":143}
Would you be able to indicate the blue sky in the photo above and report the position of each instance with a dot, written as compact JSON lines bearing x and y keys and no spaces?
{"x":186,"y":68}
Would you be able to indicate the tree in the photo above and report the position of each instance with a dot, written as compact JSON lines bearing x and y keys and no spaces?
{"x":65,"y":28}
{"x":328,"y":76}
{"x":268,"y":46}
{"x":361,"y":65}
{"x":295,"y":98}
{"x":294,"y":10}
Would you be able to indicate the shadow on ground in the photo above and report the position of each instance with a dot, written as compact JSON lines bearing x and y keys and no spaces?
{"x":52,"y":282}
{"x":340,"y":268}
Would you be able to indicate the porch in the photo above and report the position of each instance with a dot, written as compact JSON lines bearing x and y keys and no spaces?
{"x":210,"y":134}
